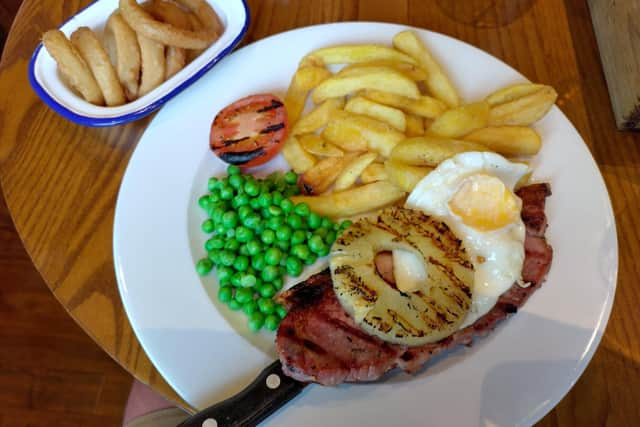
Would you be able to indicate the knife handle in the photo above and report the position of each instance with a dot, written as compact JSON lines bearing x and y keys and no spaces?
{"x":268,"y":392}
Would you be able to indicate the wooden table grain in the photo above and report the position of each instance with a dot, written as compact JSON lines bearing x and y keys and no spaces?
{"x":60,"y":180}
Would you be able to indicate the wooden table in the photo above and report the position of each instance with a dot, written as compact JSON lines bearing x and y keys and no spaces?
{"x":60,"y":180}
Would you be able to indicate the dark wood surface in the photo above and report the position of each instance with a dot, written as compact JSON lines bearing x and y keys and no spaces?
{"x":60,"y":179}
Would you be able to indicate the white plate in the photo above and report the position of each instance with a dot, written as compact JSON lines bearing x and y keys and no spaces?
{"x":514,"y":376}
{"x":46,"y":81}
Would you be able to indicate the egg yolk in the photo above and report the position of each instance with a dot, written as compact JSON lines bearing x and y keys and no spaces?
{"x":484,"y":203}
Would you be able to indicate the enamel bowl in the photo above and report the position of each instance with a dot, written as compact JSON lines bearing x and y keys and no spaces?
{"x":46,"y":81}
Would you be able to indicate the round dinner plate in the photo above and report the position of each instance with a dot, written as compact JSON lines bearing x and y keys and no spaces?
{"x":512,"y":377}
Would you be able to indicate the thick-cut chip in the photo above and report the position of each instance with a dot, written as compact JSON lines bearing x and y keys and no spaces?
{"x":299,"y":159}
{"x":122,"y":46}
{"x":412,"y":71}
{"x":318,"y":117}
{"x":425,"y":106}
{"x":315,"y":144}
{"x":389,"y":115}
{"x":512,"y":92}
{"x":354,"y":201}
{"x":378,"y":136}
{"x":415,"y":125}
{"x":437,"y":81}
{"x":304,"y":79}
{"x":350,"y":54}
{"x":405,"y":176}
{"x":525,"y":110}
{"x":374,"y":172}
{"x":385,"y":80}
{"x":352,"y":171}
{"x":431,"y":151}
{"x":507,"y":140}
{"x":319,"y":178}
{"x":461,"y":120}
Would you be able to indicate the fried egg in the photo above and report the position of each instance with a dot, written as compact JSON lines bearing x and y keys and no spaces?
{"x":473,"y":193}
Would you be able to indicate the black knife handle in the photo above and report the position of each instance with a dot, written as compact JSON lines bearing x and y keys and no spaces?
{"x":268,"y":392}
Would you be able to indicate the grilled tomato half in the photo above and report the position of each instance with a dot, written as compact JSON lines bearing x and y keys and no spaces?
{"x":250,"y":131}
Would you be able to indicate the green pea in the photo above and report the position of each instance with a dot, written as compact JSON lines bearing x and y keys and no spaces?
{"x":225,"y":294}
{"x":233,"y":170}
{"x":281,"y":311}
{"x":330,"y":238}
{"x":220,"y":230}
{"x":298,"y":236}
{"x":240,"y":200}
{"x":214,"y":256}
{"x":243,"y":211}
{"x":322,"y":232}
{"x":266,"y":306}
{"x":236,"y":181}
{"x":301,"y":251}
{"x":244,"y":234}
{"x":235,"y":279}
{"x":230,"y":219}
{"x":243,"y":295}
{"x":256,"y":320}
{"x":324,"y":251}
{"x":294,"y":266}
{"x":241,"y":263}
{"x":302,"y":209}
{"x":274,"y":222}
{"x":265,"y":213}
{"x":283,"y":233}
{"x":277,"y":198}
{"x":258,"y":262}
{"x":262,"y":225}
{"x":286,"y":205}
{"x":213,"y":183}
{"x":204,"y":201}
{"x":224,"y":274}
{"x":230,"y":233}
{"x":271,"y":322}
{"x":214,"y":197}
{"x":277,"y":283}
{"x":252,"y":220}
{"x":269,"y":273}
{"x":253,"y":247}
{"x":272,"y":256}
{"x":310,"y":259}
{"x":254,"y":203}
{"x":291,"y":191}
{"x":291,"y":177}
{"x":267,"y":290}
{"x":204,"y":266}
{"x":326,"y":222}
{"x":208,"y":226}
{"x":243,"y":250}
{"x":268,"y":237}
{"x":316,"y":244}
{"x":283,"y":245}
{"x":248,"y":281}
{"x":251,"y":188}
{"x":295,"y":221}
{"x":217,"y":213}
{"x":265,"y":200}
{"x":314,"y":220}
{"x":214,"y":243}
{"x":250,"y":307}
{"x":274,"y":210}
{"x":227,"y":258}
{"x":232,"y":244}
{"x":226,"y":192}
{"x":234,"y":305}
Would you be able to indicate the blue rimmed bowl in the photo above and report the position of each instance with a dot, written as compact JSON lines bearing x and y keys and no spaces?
{"x":46,"y":82}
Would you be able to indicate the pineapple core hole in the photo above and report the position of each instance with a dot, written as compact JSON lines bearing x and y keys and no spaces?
{"x":402,"y":270}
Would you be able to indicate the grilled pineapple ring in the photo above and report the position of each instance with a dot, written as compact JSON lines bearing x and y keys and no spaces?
{"x":432,"y":312}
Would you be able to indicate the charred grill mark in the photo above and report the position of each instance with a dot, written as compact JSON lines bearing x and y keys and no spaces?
{"x":355,"y":284}
{"x":404,"y":324}
{"x":272,"y":128}
{"x":228,"y":142}
{"x":310,"y":345}
{"x":309,"y":292}
{"x":274,"y":105}
{"x":242,"y":157}
{"x":451,"y":275}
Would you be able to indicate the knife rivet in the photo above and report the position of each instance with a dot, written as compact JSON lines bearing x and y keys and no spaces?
{"x":210,"y":422}
{"x":273,"y":381}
